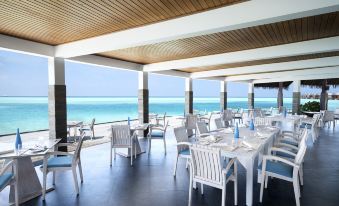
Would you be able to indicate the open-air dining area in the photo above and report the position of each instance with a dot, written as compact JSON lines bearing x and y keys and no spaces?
{"x":63,"y":141}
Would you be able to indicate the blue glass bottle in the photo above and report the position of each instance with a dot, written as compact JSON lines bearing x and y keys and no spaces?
{"x":251,"y":125}
{"x":128,"y":121}
{"x":18,"y":142}
{"x":236,"y":131}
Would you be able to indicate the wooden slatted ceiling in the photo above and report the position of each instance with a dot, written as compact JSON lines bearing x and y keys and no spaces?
{"x":60,"y":21}
{"x":263,"y":61}
{"x":308,"y":28}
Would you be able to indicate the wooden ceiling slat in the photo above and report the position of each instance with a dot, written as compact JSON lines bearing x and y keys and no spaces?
{"x":263,"y":61}
{"x":290,"y":31}
{"x":56,"y":22}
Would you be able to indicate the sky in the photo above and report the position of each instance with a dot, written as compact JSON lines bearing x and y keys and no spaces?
{"x":27,"y":75}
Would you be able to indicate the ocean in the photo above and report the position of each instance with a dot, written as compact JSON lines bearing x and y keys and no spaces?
{"x":31,"y":113}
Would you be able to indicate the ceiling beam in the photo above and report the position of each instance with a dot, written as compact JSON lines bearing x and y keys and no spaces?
{"x":292,"y":49}
{"x":274,"y":67}
{"x":237,"y":16}
{"x":106,"y":62}
{"x":309,"y":76}
{"x":285,"y":74}
{"x":13,"y":44}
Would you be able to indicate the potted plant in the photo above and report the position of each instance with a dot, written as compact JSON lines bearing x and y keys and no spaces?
{"x":309,"y":108}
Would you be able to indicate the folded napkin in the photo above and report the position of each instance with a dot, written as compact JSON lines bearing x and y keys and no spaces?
{"x":225,"y":146}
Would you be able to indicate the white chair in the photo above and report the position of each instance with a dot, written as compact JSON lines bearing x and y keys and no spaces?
{"x":207,"y":119}
{"x":7,"y":178}
{"x":191,"y":123}
{"x":88,"y":127}
{"x":227,"y":117}
{"x":262,"y":121}
{"x":207,"y":168}
{"x":328,"y":118}
{"x":122,"y":138}
{"x":54,"y":162}
{"x":218,"y":123}
{"x":182,"y":146}
{"x":202,"y":129}
{"x":239,"y":115}
{"x":336,"y":115}
{"x":157,"y":132}
{"x":284,"y":169}
{"x":161,"y":118}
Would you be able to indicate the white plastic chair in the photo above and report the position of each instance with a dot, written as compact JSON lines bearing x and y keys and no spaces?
{"x":284,"y":169}
{"x":262,"y":121}
{"x":157,"y":132}
{"x":207,"y":168}
{"x":122,"y":138}
{"x":329,"y":118}
{"x":207,"y":120}
{"x":202,"y":129}
{"x":227,"y":117}
{"x":88,"y":127}
{"x":7,"y":178}
{"x":182,"y":146}
{"x":191,"y":122}
{"x":67,"y":161}
{"x":218,"y":123}
{"x":163,"y":118}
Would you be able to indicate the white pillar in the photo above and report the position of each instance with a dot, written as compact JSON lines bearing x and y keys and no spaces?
{"x":223,"y":95}
{"x":188,"y":96}
{"x":143,"y":97}
{"x":296,"y":97}
{"x":57,"y":111}
{"x":251,"y":95}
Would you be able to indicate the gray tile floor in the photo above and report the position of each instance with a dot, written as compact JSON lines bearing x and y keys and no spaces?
{"x":150,"y":181}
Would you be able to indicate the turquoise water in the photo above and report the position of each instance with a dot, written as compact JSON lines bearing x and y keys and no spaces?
{"x":31,"y":113}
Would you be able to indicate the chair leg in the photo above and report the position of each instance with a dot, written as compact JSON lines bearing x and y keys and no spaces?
{"x":74,"y":171}
{"x":135,"y":150}
{"x":111,"y":154}
{"x":44,"y":183}
{"x":223,"y":197}
{"x":301,"y":176}
{"x":80,"y":171}
{"x":266,"y":181}
{"x":187,"y":164}
{"x":53,"y":177}
{"x":16,"y":188}
{"x":175,"y":166}
{"x":149,"y":145}
{"x":132,"y":155}
{"x":236,"y":190}
{"x":262,"y":186}
{"x":165,"y":145}
{"x":296,"y":191}
{"x":202,"y":189}
{"x":190,"y":192}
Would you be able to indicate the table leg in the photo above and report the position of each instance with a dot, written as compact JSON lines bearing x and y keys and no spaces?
{"x":127,"y":152}
{"x":28,"y":182}
{"x":249,"y":182}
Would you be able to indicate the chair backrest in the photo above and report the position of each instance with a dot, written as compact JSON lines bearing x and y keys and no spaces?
{"x":121,"y":135}
{"x":328,"y":115}
{"x":262,"y":121}
{"x":206,"y":164}
{"x":78,"y":148}
{"x":302,"y":149}
{"x":181,"y":135}
{"x":202,"y":127}
{"x":191,"y":121}
{"x":218,"y":123}
{"x":92,"y":123}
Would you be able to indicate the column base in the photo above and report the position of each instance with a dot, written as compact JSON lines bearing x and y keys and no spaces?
{"x":296,"y":103}
{"x":250,"y":100}
{"x":223,"y":100}
{"x":188,"y":102}
{"x":143,"y":108}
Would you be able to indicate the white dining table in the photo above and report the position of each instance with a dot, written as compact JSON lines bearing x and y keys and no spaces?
{"x":260,"y":139}
{"x":25,"y":174}
{"x":74,"y":125}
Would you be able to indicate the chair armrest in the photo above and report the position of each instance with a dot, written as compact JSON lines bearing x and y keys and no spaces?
{"x":59,"y":153}
{"x":64,"y":144}
{"x":6,"y":167}
{"x":279,"y":159}
{"x":184,"y":143}
{"x":275,"y":149}
{"x":287,"y":146}
{"x":229,"y":165}
{"x":291,"y":139}
{"x":157,"y":128}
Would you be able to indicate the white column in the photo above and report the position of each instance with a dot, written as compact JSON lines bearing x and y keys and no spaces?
{"x":251,"y":95}
{"x":188,"y":96}
{"x":57,"y":111}
{"x":296,"y":97}
{"x":143,"y":99}
{"x":223,"y":95}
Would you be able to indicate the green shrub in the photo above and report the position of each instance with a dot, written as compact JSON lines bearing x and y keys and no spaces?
{"x":313,"y":106}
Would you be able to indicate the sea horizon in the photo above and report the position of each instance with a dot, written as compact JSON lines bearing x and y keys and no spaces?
{"x":30,"y":113}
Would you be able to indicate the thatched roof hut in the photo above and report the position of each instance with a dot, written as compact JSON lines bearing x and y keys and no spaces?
{"x":318,"y":83}
{"x":273,"y":85}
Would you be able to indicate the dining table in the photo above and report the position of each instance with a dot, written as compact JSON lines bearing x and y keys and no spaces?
{"x":251,"y":145}
{"x":27,"y":179}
